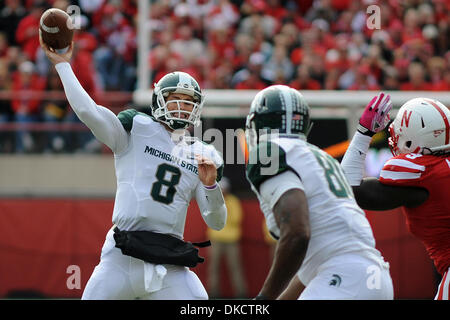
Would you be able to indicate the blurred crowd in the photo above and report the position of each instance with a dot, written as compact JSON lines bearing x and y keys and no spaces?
{"x":225,"y":44}
{"x":317,"y":44}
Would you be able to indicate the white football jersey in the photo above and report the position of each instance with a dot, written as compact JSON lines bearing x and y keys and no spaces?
{"x":156,"y":177}
{"x":337,"y":223}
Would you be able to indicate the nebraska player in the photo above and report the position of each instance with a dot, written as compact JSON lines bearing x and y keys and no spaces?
{"x":417,"y":177}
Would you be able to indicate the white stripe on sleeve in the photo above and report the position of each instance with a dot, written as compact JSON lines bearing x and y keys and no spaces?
{"x":446,"y":290}
{"x":395,"y":175}
{"x":405,"y":164}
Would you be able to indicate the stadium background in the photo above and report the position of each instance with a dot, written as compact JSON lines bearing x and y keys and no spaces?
{"x":57,"y":184}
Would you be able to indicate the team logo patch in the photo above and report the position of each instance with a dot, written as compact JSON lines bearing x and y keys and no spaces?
{"x":335,"y":280}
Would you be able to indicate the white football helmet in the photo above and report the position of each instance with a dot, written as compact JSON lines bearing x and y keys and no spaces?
{"x":421,"y":126}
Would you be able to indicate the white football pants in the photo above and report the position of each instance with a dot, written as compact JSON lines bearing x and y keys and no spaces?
{"x":351,"y":277}
{"x":121,"y":277}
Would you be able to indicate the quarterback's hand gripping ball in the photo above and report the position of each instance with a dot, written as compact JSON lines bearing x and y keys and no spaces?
{"x":56,"y":29}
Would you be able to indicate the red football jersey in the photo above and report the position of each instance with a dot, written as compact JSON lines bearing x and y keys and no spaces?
{"x":430,"y":222}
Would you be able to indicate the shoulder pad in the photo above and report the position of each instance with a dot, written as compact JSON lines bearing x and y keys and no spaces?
{"x":266,"y":160}
{"x":126,"y":118}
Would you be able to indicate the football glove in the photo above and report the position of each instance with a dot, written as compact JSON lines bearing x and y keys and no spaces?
{"x":376,"y":115}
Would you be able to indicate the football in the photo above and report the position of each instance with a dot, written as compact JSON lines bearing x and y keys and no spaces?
{"x":56,"y":28}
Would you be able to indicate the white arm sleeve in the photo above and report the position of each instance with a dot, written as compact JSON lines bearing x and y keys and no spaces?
{"x":354,"y":158}
{"x":103,"y":123}
{"x":272,"y":189}
{"x":212,"y":206}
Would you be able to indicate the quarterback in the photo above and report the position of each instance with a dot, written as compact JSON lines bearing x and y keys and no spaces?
{"x":159,"y":170}
{"x":417,"y":178}
{"x":325,"y":248}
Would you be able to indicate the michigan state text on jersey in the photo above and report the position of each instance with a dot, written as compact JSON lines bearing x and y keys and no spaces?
{"x":153,"y":188}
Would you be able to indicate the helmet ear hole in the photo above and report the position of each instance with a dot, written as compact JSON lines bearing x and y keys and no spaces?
{"x":408,"y":144}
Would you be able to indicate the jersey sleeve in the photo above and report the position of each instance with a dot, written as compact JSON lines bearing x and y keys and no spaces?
{"x":268,"y":159}
{"x":101,"y":121}
{"x":212,"y":206}
{"x":273,"y":188}
{"x":403,"y":170}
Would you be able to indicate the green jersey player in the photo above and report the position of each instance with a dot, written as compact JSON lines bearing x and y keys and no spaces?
{"x":158,"y":173}
{"x":325,"y":248}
